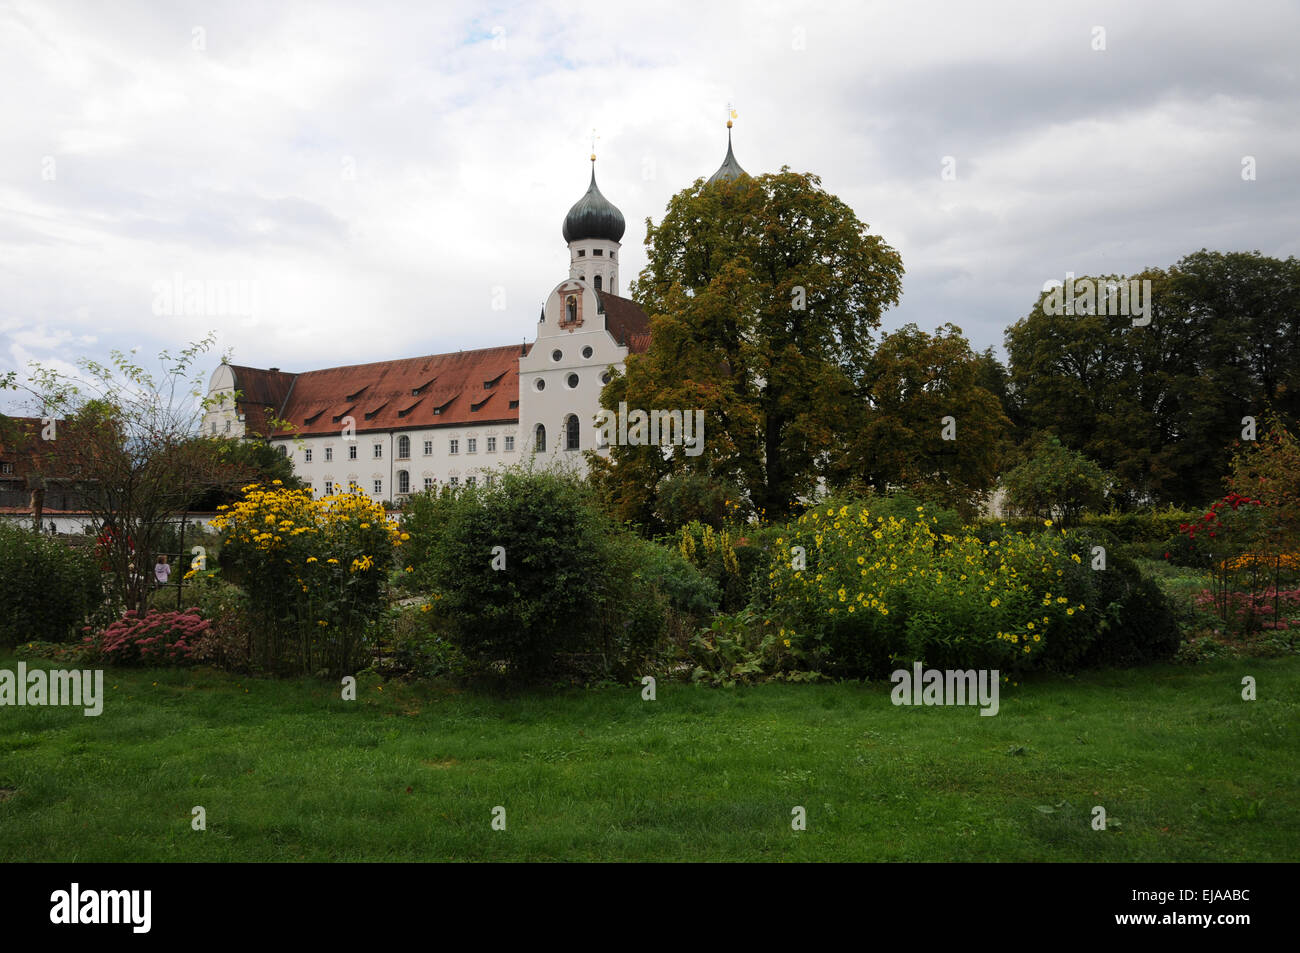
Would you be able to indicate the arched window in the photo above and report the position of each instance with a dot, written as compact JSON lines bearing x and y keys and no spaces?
{"x":403,"y":448}
{"x":539,"y":442}
{"x":598,"y":282}
{"x":571,"y":308}
{"x":571,"y":432}
{"x":403,"y":480}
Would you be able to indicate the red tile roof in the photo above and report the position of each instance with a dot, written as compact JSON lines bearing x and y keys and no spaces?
{"x":624,"y":319}
{"x":262,"y":393}
{"x":468,"y":387}
{"x":21,"y":444}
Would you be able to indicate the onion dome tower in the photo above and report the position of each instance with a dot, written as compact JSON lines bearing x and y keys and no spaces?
{"x":730,"y":169}
{"x":593,"y":228}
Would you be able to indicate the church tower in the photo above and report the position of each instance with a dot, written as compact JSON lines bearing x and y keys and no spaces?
{"x":730,"y":169}
{"x":593,"y":228}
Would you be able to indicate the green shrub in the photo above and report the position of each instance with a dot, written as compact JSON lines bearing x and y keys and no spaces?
{"x":416,"y":644}
{"x":425,"y":517}
{"x":540,"y":604}
{"x":690,"y":496}
{"x":731,"y":557}
{"x":48,"y":591}
{"x":1137,"y":623}
{"x":653,"y":601}
{"x":228,"y":643}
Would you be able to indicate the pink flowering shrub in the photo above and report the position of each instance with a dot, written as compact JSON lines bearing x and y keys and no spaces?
{"x":1269,"y":608}
{"x":154,"y":638}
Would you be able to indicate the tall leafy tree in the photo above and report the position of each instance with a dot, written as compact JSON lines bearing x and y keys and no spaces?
{"x":926,"y":422}
{"x":764,"y":293}
{"x":1159,"y":406}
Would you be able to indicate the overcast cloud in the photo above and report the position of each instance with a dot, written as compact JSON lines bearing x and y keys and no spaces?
{"x":378,"y":172}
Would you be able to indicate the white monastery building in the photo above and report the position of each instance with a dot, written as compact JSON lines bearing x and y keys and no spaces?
{"x":400,"y":427}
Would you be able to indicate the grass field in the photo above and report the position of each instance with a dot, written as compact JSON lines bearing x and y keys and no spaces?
{"x":1186,"y":770}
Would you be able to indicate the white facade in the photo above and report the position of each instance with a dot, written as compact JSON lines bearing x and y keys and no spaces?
{"x":221,"y":418}
{"x":563,"y":374}
{"x":374,"y":461}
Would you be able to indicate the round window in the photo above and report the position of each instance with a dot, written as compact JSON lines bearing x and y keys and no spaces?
{"x":586,"y":352}
{"x":540,"y":384}
{"x":604,"y":378}
{"x":573,"y":381}
{"x":557,"y":355}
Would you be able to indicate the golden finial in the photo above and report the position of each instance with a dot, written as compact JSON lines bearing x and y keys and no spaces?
{"x":594,"y":137}
{"x":731,"y":114}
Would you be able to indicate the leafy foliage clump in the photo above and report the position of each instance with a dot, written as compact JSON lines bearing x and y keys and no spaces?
{"x":49,"y":588}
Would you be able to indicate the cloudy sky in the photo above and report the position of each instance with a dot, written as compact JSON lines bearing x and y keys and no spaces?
{"x":388,"y":179}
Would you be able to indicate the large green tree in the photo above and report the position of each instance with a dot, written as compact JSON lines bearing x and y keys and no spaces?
{"x":1159,"y":405}
{"x":764,"y":293}
{"x":926,"y":421}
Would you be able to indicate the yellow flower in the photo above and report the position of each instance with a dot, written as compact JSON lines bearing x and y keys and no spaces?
{"x":787,"y":643}
{"x":312,"y":559}
{"x":995,"y":603}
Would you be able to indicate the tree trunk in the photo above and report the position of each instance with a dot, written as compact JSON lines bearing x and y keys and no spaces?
{"x":38,"y":507}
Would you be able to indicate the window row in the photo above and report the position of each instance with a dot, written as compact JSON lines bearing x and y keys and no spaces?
{"x":404,"y":483}
{"x":404,"y":448}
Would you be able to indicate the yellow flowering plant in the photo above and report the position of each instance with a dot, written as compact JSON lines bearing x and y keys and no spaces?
{"x":314,"y":569}
{"x":878,"y":590}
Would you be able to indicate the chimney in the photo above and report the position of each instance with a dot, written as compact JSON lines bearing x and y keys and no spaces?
{"x":274,"y":370}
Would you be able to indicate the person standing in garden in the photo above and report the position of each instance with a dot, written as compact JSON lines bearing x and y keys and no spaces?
{"x":161,"y":570}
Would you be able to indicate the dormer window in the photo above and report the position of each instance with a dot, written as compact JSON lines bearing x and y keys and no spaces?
{"x":571,"y":308}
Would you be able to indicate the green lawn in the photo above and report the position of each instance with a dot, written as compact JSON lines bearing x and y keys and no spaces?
{"x":1186,"y":770}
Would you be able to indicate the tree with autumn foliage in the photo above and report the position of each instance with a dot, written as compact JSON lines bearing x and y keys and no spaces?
{"x":763,"y":294}
{"x":924,"y":421}
{"x":1269,"y":470}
